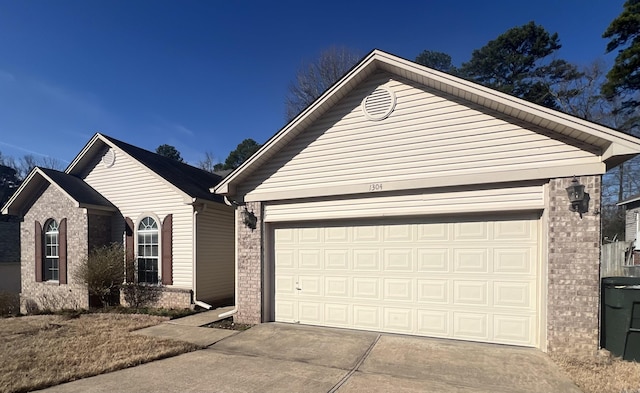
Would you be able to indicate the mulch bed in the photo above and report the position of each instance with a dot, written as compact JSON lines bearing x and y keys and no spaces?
{"x":228,"y":323}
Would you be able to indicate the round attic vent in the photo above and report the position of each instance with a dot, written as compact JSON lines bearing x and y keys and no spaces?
{"x":109,"y":158}
{"x":379,"y":104}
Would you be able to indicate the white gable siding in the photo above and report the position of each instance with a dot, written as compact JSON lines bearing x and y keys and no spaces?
{"x":427,"y":136}
{"x":215,"y":265}
{"x":135,"y":190}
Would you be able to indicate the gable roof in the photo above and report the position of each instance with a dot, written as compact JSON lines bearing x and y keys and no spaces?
{"x":613,"y":146}
{"x":192,"y":182}
{"x":79,"y":192}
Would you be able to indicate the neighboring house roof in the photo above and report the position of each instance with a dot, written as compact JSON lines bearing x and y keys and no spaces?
{"x":629,"y":201}
{"x":73,"y":187}
{"x":193,"y":182}
{"x":612,"y":146}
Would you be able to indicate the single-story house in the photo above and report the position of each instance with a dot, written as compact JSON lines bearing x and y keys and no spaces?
{"x":179,"y":236}
{"x":407,"y":200}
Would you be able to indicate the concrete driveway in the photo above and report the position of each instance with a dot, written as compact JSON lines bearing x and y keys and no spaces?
{"x":276,"y":357}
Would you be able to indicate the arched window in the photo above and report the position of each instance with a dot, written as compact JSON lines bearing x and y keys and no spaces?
{"x":51,"y":268}
{"x":148,"y":251}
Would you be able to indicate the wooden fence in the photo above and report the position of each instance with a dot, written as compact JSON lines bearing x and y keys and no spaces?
{"x":613,"y":263}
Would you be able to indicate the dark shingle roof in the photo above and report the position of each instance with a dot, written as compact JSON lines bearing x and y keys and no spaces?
{"x":193,"y":181}
{"x":77,"y":188}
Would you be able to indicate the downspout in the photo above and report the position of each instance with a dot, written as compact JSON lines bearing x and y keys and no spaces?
{"x":195,"y":259}
{"x":235,"y":253}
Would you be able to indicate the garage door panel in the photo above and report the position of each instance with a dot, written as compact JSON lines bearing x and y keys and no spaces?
{"x":433,"y":291}
{"x":398,"y":260}
{"x":470,"y":293}
{"x":516,"y":260}
{"x":398,"y":290}
{"x":366,"y":288}
{"x":513,"y":294}
{"x":433,"y":323}
{"x":366,"y":259}
{"x":337,"y":234}
{"x":472,"y":326}
{"x":470,"y":260}
{"x":433,"y":260}
{"x":337,"y":314}
{"x":398,"y":233}
{"x":432,"y":232}
{"x":337,"y":287}
{"x":471,"y":280}
{"x":366,"y":234}
{"x":512,"y":329}
{"x":285,"y":258}
{"x":310,"y":259}
{"x":477,"y":231}
{"x":398,"y":320}
{"x":336,"y":259}
{"x":515,"y":230}
{"x":311,"y":312}
{"x":367,"y":317}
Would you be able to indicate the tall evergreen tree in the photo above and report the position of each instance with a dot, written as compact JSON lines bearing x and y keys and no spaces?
{"x":623,"y":80}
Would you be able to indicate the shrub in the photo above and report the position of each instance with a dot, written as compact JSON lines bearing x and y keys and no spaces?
{"x":9,"y":304}
{"x":103,"y":273}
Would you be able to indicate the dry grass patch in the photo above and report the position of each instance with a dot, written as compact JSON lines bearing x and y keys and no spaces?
{"x":45,"y":350}
{"x":603,"y":374}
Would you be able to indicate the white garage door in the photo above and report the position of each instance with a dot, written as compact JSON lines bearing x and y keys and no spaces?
{"x":468,"y":279}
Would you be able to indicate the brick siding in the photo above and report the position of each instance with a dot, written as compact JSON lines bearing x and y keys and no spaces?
{"x":45,"y":295}
{"x":249,"y":303}
{"x":573,"y":271}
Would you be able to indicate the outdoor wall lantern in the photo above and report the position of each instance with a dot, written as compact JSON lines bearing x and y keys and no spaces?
{"x":249,"y":219}
{"x":578,"y":198}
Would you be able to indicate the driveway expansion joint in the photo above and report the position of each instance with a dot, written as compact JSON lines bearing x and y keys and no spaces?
{"x":355,"y":367}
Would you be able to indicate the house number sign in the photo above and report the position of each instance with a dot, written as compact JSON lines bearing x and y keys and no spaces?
{"x":375,"y":187}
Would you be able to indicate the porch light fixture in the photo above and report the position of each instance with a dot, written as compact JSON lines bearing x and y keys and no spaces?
{"x":249,"y":219}
{"x":577,"y":197}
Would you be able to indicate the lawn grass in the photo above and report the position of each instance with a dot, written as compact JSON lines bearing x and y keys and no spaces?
{"x":46,"y":350}
{"x":603,"y":374}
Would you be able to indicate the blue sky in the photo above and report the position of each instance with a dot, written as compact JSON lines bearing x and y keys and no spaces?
{"x":204,"y":75}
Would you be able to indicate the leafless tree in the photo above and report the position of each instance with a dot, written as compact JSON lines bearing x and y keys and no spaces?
{"x":313,"y":78}
{"x":208,"y":163}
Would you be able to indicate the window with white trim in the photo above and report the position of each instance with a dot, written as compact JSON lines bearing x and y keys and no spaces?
{"x":148,"y":251}
{"x":51,"y":267}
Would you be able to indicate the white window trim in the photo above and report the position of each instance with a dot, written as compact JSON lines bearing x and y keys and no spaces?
{"x":135,"y":237}
{"x":45,"y":256}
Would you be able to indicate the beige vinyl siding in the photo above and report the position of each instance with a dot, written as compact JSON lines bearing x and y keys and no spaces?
{"x":499,"y":199}
{"x":137,"y":191}
{"x":215,"y":262}
{"x":427,"y":136}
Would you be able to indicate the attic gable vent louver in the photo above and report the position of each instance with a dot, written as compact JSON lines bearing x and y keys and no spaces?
{"x":379,"y":104}
{"x":109,"y":158}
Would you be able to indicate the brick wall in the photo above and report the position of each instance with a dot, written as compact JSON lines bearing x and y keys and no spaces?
{"x":573,"y":272}
{"x":156,"y":296}
{"x":249,"y":268}
{"x":43,"y":295}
